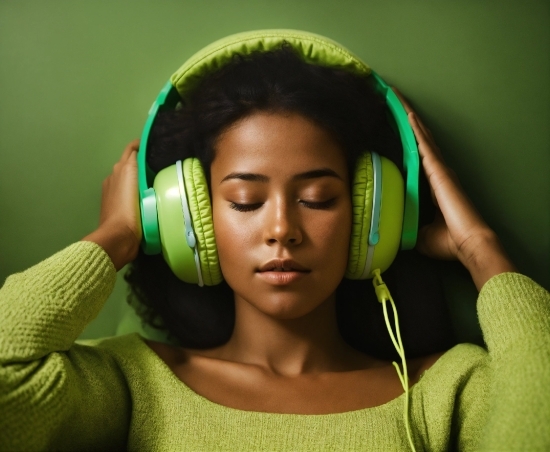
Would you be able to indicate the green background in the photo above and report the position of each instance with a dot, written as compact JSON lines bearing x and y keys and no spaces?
{"x":77,"y":79}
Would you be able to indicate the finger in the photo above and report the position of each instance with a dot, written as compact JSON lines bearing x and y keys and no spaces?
{"x":406,"y":105}
{"x":424,"y":137}
{"x":434,"y":167}
{"x":454,"y":177}
{"x":427,"y":132}
{"x":420,"y":135}
{"x":415,"y":119}
{"x":426,"y":144}
{"x":408,"y":109}
{"x":132,"y":146}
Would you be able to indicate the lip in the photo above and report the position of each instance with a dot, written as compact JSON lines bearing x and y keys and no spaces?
{"x":283,"y":266}
{"x":281,"y":272}
{"x":279,"y":278}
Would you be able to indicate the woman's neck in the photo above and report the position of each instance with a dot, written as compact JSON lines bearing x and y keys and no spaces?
{"x":291,"y":347}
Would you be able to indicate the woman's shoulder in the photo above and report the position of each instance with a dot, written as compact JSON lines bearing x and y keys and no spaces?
{"x":464,"y":355}
{"x":455,"y":366}
{"x":127,"y":350}
{"x":125,"y":343}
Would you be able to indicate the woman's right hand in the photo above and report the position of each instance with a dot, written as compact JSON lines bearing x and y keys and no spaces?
{"x":458,"y":231}
{"x":119,"y":230}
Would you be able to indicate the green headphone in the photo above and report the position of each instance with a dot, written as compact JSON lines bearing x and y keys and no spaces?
{"x":176,"y":214}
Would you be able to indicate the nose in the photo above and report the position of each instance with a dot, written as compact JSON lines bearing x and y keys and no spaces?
{"x":282,"y":225}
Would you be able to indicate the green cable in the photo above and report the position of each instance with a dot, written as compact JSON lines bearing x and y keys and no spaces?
{"x":383,"y":295}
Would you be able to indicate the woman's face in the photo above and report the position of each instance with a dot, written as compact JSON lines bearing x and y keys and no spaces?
{"x":282,"y":212}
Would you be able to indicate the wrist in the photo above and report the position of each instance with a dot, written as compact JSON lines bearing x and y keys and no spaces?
{"x":485,"y":257}
{"x":121,"y":245}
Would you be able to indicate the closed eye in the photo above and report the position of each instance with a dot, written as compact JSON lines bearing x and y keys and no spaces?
{"x":318,"y":205}
{"x":245,"y":207}
{"x":308,"y":204}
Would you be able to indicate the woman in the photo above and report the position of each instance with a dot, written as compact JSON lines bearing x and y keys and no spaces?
{"x":284,"y":379}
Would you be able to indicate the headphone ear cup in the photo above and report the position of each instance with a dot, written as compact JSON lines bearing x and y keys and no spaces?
{"x":364,"y":257}
{"x":362,"y":198}
{"x":392,"y":210}
{"x":200,"y":206}
{"x":176,"y":252}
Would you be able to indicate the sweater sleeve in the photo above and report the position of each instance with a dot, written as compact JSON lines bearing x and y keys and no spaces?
{"x":514,"y":313}
{"x":55,"y":395}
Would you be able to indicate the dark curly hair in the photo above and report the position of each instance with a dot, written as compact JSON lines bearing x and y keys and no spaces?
{"x":342,"y":103}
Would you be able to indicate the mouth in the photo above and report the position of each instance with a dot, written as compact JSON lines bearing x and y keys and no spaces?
{"x":282,"y":272}
{"x":283,"y":265}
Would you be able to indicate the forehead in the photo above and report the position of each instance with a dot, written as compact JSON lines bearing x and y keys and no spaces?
{"x":276,"y":144}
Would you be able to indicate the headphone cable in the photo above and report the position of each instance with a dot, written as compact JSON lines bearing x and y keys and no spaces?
{"x":383,"y":295}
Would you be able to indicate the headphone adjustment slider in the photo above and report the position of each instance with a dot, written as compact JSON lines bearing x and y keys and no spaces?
{"x":380,"y":288}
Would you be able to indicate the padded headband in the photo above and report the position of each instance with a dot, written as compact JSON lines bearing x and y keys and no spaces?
{"x":314,"y":49}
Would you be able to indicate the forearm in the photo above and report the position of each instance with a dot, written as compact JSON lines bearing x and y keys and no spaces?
{"x":484,"y":258}
{"x":46,"y":307}
{"x":514,"y":314}
{"x":46,"y":383}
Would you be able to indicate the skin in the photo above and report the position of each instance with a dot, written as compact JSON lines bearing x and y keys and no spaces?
{"x":287,"y":329}
{"x":286,"y":354}
{"x":458,"y":231}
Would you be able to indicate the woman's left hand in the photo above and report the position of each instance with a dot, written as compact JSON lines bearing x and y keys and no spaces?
{"x":458,"y":230}
{"x":119,"y":230}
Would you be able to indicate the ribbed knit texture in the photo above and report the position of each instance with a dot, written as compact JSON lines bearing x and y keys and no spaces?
{"x":115,"y":393}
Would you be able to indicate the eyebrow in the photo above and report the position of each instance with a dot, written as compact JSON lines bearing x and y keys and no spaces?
{"x":313,"y":174}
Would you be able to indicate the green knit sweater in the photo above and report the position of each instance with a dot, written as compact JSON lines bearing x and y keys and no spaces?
{"x":116,"y":393}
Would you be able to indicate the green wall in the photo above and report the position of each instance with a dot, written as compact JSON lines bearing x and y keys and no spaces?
{"x":77,"y":79}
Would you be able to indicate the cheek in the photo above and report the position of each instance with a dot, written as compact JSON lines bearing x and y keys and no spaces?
{"x":233,"y":237}
{"x":331,"y":238}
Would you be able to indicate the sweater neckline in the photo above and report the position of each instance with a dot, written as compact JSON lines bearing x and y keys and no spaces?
{"x":424,"y":379}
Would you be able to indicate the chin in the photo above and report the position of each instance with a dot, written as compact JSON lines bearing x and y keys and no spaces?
{"x":285,"y":306}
